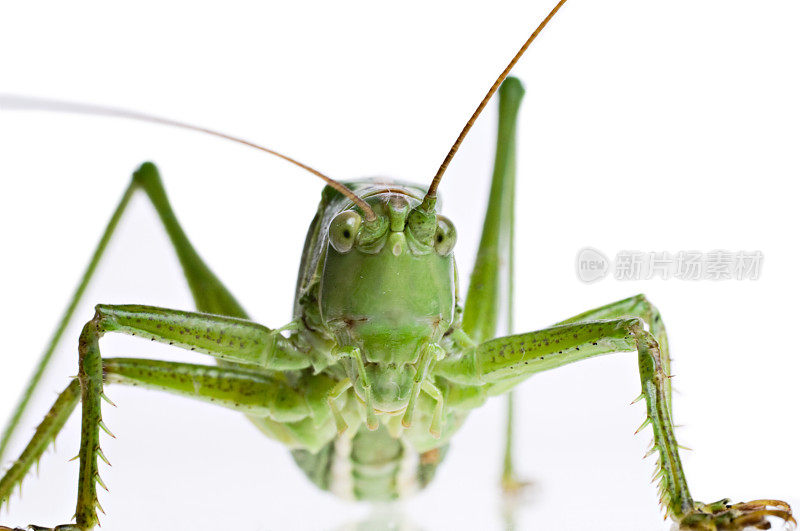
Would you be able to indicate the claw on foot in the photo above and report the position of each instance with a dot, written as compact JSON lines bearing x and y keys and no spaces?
{"x":721,"y":516}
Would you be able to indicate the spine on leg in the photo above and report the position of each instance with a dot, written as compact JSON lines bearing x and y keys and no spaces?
{"x":45,"y":434}
{"x":90,"y":375}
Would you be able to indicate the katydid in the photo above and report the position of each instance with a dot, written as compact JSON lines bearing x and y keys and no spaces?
{"x":380,"y":357}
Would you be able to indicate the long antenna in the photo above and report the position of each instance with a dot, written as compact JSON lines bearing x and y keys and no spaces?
{"x":438,"y":177}
{"x":13,"y":102}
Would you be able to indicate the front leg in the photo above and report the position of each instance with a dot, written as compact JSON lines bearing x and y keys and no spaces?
{"x":250,"y":345}
{"x":500,"y":362}
{"x":226,"y":338}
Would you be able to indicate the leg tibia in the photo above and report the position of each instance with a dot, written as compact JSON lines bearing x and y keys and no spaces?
{"x":90,"y":374}
{"x":673,"y":488}
{"x":44,"y":435}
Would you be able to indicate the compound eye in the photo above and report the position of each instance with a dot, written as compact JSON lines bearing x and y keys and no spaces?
{"x":445,"y":237}
{"x":343,"y":230}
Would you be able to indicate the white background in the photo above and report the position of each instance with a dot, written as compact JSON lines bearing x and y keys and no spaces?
{"x":657,"y":126}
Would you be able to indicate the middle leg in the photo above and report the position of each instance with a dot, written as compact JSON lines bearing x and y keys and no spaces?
{"x":254,"y":348}
{"x":243,"y":390}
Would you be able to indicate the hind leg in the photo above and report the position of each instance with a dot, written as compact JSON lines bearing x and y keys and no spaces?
{"x":210,"y":295}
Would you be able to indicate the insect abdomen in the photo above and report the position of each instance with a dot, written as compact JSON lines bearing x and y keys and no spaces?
{"x":370,"y":466}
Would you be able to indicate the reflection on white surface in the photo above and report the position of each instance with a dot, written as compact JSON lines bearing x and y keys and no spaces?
{"x":383,"y":517}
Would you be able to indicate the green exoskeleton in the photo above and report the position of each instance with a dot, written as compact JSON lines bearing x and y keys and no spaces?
{"x":381,"y":362}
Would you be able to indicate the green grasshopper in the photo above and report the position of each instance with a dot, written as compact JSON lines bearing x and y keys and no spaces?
{"x":369,"y":368}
